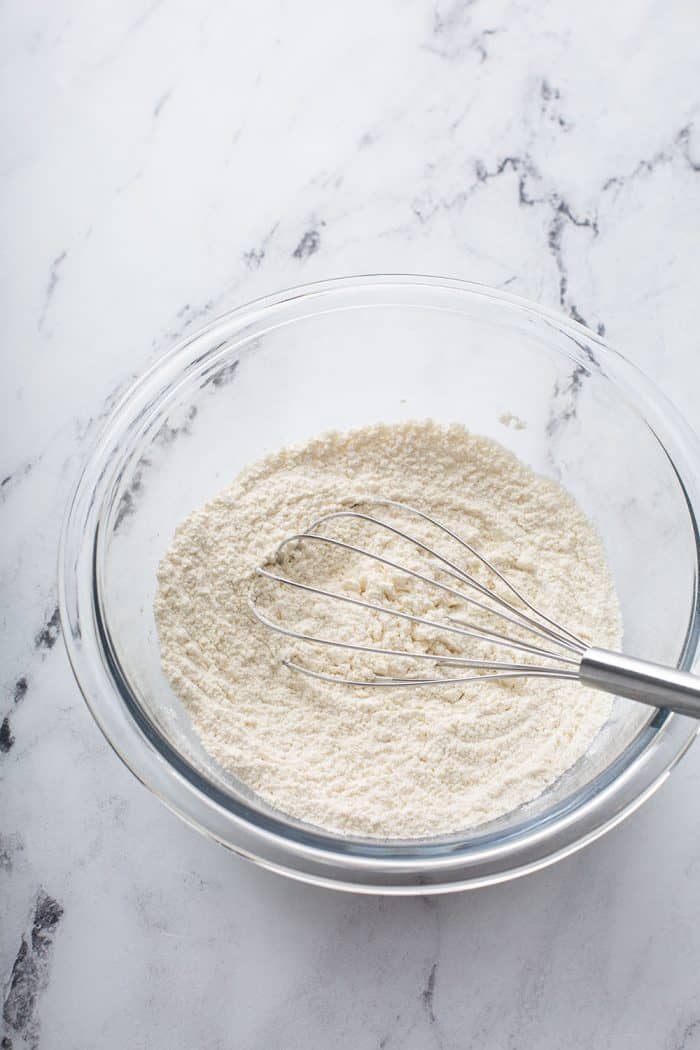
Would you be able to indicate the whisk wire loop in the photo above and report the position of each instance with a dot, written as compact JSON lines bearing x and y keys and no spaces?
{"x":533,"y":622}
{"x":559,"y":633}
{"x":467,"y":546}
{"x":612,"y":672}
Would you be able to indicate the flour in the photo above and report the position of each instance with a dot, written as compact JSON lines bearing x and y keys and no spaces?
{"x":509,"y":419}
{"x":381,"y":762}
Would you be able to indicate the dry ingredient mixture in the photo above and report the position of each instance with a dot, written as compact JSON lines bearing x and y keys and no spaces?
{"x":407,"y":762}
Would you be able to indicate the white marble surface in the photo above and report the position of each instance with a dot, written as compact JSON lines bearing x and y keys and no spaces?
{"x":161,"y":162}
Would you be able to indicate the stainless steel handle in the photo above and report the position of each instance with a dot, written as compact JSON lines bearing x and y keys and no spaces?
{"x":640,"y":680}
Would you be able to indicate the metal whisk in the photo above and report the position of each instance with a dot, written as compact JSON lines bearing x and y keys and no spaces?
{"x":560,"y":653}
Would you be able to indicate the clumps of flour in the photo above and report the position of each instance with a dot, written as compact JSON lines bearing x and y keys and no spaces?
{"x":407,"y":762}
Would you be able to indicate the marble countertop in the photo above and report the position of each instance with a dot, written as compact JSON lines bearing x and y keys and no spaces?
{"x":163,"y":162}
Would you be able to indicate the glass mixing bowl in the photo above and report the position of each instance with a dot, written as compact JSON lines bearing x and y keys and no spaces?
{"x":341,"y":354}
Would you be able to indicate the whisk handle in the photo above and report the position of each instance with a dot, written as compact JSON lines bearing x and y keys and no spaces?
{"x":641,"y":680}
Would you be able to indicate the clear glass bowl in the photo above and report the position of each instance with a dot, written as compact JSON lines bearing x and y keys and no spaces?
{"x":341,"y":354}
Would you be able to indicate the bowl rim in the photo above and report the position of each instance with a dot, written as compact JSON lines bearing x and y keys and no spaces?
{"x":317,"y":856}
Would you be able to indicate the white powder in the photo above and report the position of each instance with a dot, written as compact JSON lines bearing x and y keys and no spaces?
{"x":509,"y":419}
{"x":381,"y":762}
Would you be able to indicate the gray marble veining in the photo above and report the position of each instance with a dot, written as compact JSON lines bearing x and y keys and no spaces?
{"x":162,"y":163}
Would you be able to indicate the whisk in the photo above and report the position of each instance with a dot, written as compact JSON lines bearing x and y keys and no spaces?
{"x":526,"y":630}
